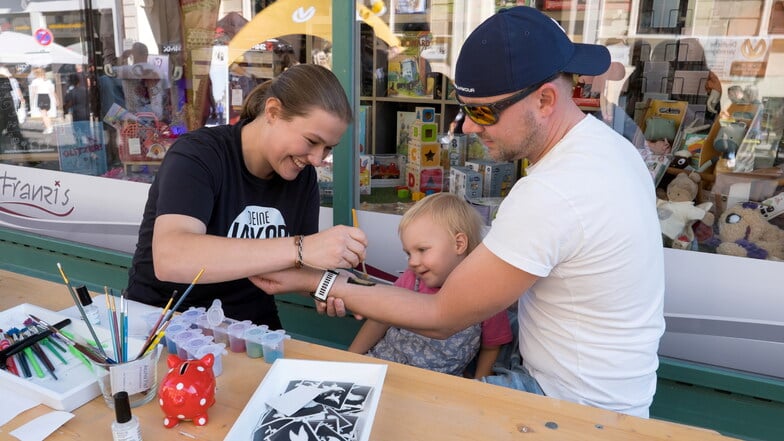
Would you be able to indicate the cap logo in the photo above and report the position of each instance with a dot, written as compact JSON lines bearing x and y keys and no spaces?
{"x":465,"y":89}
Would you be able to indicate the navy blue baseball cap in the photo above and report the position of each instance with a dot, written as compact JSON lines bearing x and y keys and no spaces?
{"x":520,"y":47}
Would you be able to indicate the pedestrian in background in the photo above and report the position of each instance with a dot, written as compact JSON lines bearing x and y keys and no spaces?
{"x":43,"y":98}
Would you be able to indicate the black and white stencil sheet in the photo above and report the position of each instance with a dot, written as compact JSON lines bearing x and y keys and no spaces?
{"x":304,"y":400}
{"x":331,"y":415}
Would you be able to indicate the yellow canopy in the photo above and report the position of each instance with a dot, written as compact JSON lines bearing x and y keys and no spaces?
{"x":290,"y":17}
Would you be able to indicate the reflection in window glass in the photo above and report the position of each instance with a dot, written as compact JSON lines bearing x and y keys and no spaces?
{"x":104,"y":89}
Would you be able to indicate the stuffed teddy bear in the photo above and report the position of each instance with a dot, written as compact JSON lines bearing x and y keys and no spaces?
{"x":745,"y":232}
{"x":678,"y":212}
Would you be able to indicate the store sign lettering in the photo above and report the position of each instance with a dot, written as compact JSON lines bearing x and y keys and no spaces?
{"x":76,"y":151}
{"x":754,"y":69}
{"x":30,"y":199}
{"x":169,"y":48}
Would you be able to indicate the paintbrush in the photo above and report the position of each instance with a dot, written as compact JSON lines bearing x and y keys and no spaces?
{"x":83,"y":348}
{"x":167,"y":317}
{"x":157,"y":339}
{"x":182,"y":297}
{"x":81,"y":309}
{"x":364,"y":274}
{"x":157,"y":324}
{"x":29,"y":341}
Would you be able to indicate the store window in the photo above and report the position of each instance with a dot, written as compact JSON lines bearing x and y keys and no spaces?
{"x":103,"y":88}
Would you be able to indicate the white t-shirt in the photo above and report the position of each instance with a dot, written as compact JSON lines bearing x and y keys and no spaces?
{"x":584,"y":221}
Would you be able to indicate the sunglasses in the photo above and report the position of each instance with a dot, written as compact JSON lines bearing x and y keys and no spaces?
{"x":488,"y":114}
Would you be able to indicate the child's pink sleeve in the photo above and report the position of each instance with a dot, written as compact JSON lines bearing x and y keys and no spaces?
{"x":496,"y":330}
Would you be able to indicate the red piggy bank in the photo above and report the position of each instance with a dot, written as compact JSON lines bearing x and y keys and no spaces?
{"x":187,"y":390}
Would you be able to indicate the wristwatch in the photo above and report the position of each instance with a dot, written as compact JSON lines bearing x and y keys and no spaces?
{"x":325,"y":284}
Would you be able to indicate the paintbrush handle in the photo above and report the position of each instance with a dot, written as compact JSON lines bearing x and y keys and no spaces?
{"x":151,"y":337}
{"x":182,"y":297}
{"x":84,"y":349}
{"x":78,"y":303}
{"x":29,"y":341}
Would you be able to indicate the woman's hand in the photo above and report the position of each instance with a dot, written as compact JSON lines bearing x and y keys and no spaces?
{"x":288,"y":281}
{"x":300,"y":280}
{"x":338,"y":247}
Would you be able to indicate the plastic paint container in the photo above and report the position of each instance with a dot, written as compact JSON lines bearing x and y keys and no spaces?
{"x":216,"y":349}
{"x":171,"y":333}
{"x":192,"y":346}
{"x":253,"y":341}
{"x":182,"y":339}
{"x":237,"y":335}
{"x":203,"y":323}
{"x":215,"y":314}
{"x":192,"y":315}
{"x":272,"y":342}
{"x":221,"y":334}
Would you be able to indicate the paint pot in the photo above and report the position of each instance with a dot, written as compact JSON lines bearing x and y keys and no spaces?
{"x":272,"y":344}
{"x":192,"y":346}
{"x":253,"y":341}
{"x":237,"y":335}
{"x":216,"y":349}
{"x":171,"y":333}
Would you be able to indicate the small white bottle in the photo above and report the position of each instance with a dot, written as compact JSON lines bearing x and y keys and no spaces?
{"x":127,"y":427}
{"x":90,"y":310}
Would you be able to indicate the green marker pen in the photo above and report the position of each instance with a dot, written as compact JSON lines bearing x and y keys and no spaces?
{"x":33,"y":362}
{"x":49,"y":344}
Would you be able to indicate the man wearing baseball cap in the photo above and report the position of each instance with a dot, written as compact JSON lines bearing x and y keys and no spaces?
{"x":576,"y":242}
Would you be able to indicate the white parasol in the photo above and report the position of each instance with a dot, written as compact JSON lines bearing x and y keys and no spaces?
{"x":23,"y":48}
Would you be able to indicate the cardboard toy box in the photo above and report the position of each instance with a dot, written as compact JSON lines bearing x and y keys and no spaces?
{"x":454,"y":151}
{"x":365,"y":173}
{"x":403,"y":131}
{"x":425,"y":114}
{"x":673,"y":114}
{"x":497,"y":177}
{"x":363,"y":127}
{"x":465,"y":182}
{"x":746,"y":114}
{"x":424,"y":179}
{"x":408,"y":72}
{"x":670,"y":110}
{"x":387,"y":170}
{"x":424,"y":131}
{"x":487,"y":208}
{"x":86,"y":156}
{"x":424,"y":154}
{"x":475,"y":149}
{"x":324,"y":174}
{"x":405,"y":124}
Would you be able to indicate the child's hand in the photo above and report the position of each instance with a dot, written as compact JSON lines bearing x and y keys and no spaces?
{"x":334,"y":308}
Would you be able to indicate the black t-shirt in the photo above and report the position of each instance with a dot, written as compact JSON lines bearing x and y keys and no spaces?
{"x":204,"y":176}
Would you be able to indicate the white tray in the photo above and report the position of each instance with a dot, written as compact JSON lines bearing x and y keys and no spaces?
{"x":76,"y":383}
{"x":285,"y":370}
